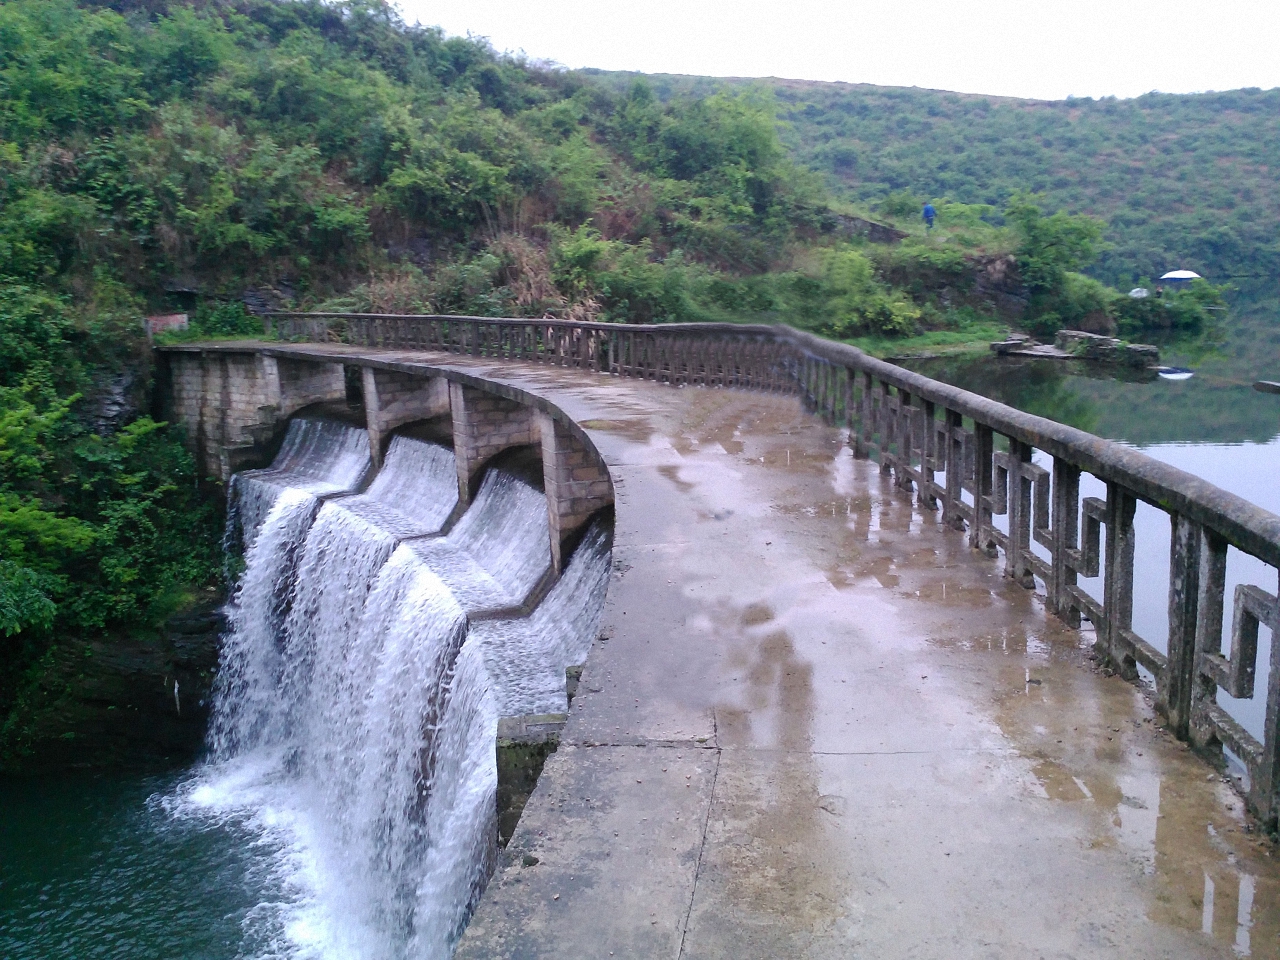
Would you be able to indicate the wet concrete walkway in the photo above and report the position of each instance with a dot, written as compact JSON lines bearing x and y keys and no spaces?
{"x":818,"y":725}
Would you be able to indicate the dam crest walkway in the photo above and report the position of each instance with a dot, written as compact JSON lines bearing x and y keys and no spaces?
{"x":818,"y":722}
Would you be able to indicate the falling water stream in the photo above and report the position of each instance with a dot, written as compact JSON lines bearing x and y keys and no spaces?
{"x":351,"y":770}
{"x":354,"y":719}
{"x":319,"y":457}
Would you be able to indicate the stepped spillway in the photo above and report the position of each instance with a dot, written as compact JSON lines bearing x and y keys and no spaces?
{"x":413,"y":494}
{"x":357,"y":706}
{"x":320,"y":457}
{"x":527,"y":657}
{"x":499,"y":550}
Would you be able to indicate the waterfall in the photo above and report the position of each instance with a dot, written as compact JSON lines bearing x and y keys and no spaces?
{"x":464,"y":812}
{"x":322,"y":457}
{"x":356,"y":708}
{"x":340,"y":559}
{"x":251,"y":665}
{"x":415,"y":491}
{"x":500,"y":548}
{"x":352,"y":539}
{"x":370,"y":752}
{"x":526,"y":658}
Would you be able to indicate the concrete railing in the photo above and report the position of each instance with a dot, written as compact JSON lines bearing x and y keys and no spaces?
{"x":708,"y":354}
{"x":973,"y":459}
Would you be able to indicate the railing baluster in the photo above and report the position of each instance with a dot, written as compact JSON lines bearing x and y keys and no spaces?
{"x":1265,"y":789}
{"x":1017,"y":566}
{"x":866,"y":415}
{"x":1211,"y":590}
{"x":926,"y":428}
{"x":1066,"y":535}
{"x":983,"y":450}
{"x":833,"y":393}
{"x":905,"y":436}
{"x":953,"y":464}
{"x":1117,"y":597}
{"x":1175,"y":693}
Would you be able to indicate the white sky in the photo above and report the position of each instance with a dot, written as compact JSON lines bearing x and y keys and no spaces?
{"x":1027,"y":48}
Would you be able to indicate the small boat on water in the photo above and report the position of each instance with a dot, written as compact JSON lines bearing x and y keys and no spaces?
{"x":1175,"y":373}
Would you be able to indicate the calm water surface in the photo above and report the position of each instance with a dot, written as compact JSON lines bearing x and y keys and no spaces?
{"x":105,"y":867}
{"x":1214,"y":425}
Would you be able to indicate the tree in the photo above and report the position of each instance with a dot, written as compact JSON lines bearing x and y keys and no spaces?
{"x":1050,"y":247}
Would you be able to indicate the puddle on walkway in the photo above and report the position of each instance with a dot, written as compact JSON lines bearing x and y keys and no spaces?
{"x":1097,"y":743}
{"x":831,"y":603}
{"x":1086,"y":741}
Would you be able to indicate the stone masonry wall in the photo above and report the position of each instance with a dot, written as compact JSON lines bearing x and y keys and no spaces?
{"x":392,"y":399}
{"x":186,"y":393}
{"x":576,"y":481}
{"x":303,"y":382}
{"x":485,"y":425}
{"x":236,"y":391}
{"x":230,"y":402}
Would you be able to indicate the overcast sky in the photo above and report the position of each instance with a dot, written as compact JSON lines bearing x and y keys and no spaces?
{"x":1025,"y":48}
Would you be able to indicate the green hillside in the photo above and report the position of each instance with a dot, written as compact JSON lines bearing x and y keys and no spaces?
{"x":1182,"y":180}
{"x":220,"y":157}
{"x":217,"y":156}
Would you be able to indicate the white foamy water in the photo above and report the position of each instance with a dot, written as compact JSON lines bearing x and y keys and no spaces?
{"x":355,"y":722}
{"x":463,"y":812}
{"x":342,"y":556}
{"x":322,"y":457}
{"x":250,"y":665}
{"x":499,"y":550}
{"x":526,"y":658}
{"x":414,"y":492}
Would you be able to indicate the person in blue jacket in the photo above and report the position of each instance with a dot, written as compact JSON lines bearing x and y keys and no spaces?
{"x":929,"y":214}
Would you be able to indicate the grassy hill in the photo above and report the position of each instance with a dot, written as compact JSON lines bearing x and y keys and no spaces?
{"x":217,"y":156}
{"x":1185,"y":180}
{"x":213,"y":155}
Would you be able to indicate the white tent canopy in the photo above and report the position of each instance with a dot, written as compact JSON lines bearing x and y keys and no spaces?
{"x":1181,"y":275}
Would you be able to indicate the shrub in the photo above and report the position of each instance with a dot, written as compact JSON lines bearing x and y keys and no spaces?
{"x":1050,"y":246}
{"x":901,"y":205}
{"x":226,"y":319}
{"x":1187,"y":309}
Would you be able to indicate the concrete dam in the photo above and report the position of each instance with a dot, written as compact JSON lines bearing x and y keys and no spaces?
{"x":836,"y":660}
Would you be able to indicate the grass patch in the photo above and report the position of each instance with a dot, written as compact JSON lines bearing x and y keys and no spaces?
{"x":972,"y":338}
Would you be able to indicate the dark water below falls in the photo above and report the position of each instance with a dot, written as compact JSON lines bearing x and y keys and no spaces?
{"x":347,"y":806}
{"x":1213,"y":425}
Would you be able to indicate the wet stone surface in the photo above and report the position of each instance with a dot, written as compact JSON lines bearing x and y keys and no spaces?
{"x":817,"y":724}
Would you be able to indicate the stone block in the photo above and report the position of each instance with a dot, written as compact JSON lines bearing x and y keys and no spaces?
{"x":1092,"y":346}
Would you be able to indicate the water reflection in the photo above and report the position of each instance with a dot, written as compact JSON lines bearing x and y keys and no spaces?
{"x":1244,"y":911}
{"x":1217,"y":405}
{"x":1213,"y":425}
{"x":1092,"y":743}
{"x":1046,"y":388}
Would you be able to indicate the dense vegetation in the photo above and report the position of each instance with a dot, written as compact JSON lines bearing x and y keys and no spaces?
{"x":209,"y":155}
{"x":1183,"y":180}
{"x":102,"y":529}
{"x":159,"y":156}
